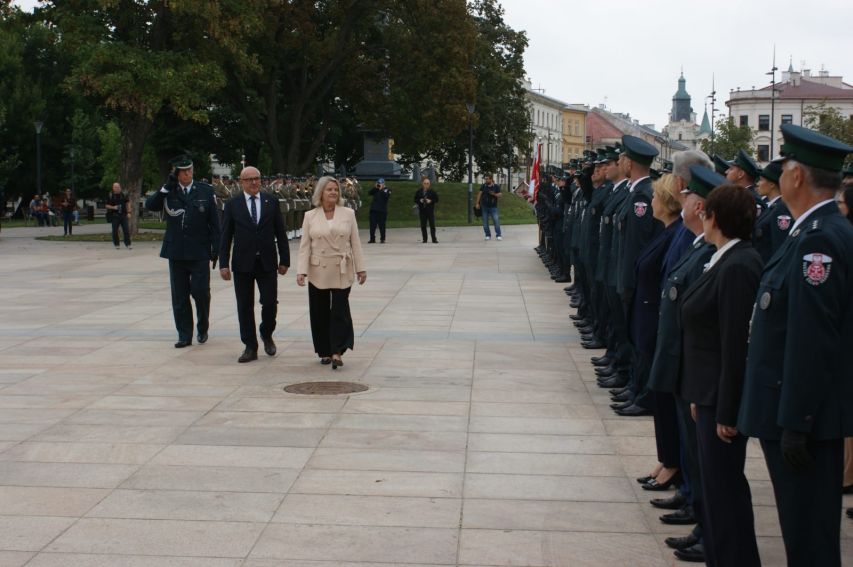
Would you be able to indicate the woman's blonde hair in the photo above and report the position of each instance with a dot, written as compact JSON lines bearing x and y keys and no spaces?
{"x":320,"y":186}
{"x":666,"y":190}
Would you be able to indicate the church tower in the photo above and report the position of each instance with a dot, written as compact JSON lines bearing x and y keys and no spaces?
{"x":681,"y":109}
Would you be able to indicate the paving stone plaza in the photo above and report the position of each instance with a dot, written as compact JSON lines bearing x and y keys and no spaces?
{"x":482,"y":440}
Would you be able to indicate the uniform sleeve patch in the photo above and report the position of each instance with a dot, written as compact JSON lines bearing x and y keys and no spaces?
{"x":816,"y":268}
{"x":783,"y":222}
{"x":640,"y":209}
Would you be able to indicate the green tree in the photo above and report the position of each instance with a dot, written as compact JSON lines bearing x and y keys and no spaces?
{"x":829,"y":121}
{"x":729,"y":138}
{"x":82,"y":152}
{"x":136,"y":59}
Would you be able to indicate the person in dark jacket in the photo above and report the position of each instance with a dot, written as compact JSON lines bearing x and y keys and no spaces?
{"x":426,"y":199}
{"x":191,"y":244}
{"x":378,"y":210}
{"x":252,"y":221}
{"x":715,"y":313}
{"x":773,"y":225}
{"x":118,"y":214}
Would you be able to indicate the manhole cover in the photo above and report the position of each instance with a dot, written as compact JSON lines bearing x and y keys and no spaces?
{"x":325,"y":388}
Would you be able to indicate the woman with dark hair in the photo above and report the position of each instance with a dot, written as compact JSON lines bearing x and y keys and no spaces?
{"x":715,"y":313}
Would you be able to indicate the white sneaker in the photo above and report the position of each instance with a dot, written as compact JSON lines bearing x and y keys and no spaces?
{"x":499,"y":238}
{"x":488,"y":238}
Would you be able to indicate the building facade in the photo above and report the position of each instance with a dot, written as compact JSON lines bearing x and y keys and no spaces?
{"x":546,"y":120}
{"x":606,"y":128}
{"x":574,"y":132}
{"x":682,"y":127}
{"x":796,"y":93}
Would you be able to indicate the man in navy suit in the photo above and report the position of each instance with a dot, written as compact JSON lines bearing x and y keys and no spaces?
{"x":252,"y":221}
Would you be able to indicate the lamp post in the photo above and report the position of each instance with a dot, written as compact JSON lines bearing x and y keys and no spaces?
{"x":73,"y":192}
{"x":772,"y":74}
{"x":470,"y":107}
{"x":38,"y":124}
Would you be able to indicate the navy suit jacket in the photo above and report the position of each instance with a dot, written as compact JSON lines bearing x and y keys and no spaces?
{"x":253,"y":241}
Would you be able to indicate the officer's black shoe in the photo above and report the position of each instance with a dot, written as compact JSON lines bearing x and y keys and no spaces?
{"x":569,"y":289}
{"x":581,"y":323}
{"x":182,"y":344}
{"x":574,"y":304}
{"x":614,"y":382}
{"x":435,"y":241}
{"x":624,"y":397}
{"x":202,"y":338}
{"x":269,"y":346}
{"x":683,"y":517}
{"x":248,"y":355}
{"x":633,"y":411}
{"x":693,"y":554}
{"x":682,"y":542}
{"x":622,"y":405}
{"x":563,"y":279}
{"x":575,"y":316}
{"x":850,"y":513}
{"x":616,"y":392}
{"x":593,"y":344}
{"x":603,"y":360}
{"x":674,"y":502}
{"x":605,"y":371}
{"x":371,"y":241}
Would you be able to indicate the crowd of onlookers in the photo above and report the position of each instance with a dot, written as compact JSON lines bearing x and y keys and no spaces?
{"x":47,"y":211}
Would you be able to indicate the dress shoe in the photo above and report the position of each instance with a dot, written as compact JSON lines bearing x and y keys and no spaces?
{"x":604,"y":360}
{"x":325,"y":360}
{"x":683,"y":517}
{"x":682,"y":542}
{"x":635,"y":411}
{"x":617,"y":391}
{"x":581,"y":323}
{"x":674,"y":502}
{"x":248,"y":355}
{"x":644,"y":479}
{"x":371,"y":241}
{"x":614,"y":382}
{"x":693,"y":554}
{"x":182,"y":344}
{"x":847,"y":489}
{"x":563,"y":279}
{"x":623,"y":397}
{"x":653,"y":484}
{"x":622,"y":405}
{"x":575,"y":317}
{"x":596,"y":344}
{"x":434,"y":241}
{"x":585,"y":329}
{"x":269,"y":347}
{"x":850,"y":513}
{"x":574,"y":304}
{"x":569,"y":288}
{"x":202,"y":338}
{"x":605,"y":371}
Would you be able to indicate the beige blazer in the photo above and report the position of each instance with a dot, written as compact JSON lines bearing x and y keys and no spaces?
{"x":330,"y":252}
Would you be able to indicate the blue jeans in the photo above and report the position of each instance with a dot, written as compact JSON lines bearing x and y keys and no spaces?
{"x":491,"y":212}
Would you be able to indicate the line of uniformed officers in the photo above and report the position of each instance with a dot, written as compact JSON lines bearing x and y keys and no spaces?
{"x":721,"y":292}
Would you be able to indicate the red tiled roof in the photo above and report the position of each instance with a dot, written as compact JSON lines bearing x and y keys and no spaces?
{"x":597,"y":128}
{"x":810,"y":89}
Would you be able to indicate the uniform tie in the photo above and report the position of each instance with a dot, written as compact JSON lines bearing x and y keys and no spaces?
{"x":254,"y":210}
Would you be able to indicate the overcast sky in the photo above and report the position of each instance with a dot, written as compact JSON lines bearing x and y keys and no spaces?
{"x":628,"y":54}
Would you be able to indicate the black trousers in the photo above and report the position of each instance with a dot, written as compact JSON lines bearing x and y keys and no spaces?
{"x":729,"y":526}
{"x":377,"y":219}
{"x":619,"y":326}
{"x":809,"y":503}
{"x":690,"y":455}
{"x":121,"y":221}
{"x":331,"y":322}
{"x":667,"y":437}
{"x":427,"y":216}
{"x":190,"y":278}
{"x":244,"y":289}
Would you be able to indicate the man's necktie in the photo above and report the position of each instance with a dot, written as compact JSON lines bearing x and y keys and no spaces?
{"x":254,"y":210}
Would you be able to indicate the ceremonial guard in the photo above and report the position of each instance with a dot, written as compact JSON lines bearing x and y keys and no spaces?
{"x":191,"y":242}
{"x":744,"y":171}
{"x":772,"y":227}
{"x":798,"y":392}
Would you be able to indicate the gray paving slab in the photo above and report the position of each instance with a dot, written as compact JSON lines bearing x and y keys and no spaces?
{"x":482,"y":441}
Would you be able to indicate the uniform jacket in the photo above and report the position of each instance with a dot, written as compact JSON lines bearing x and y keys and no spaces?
{"x":714,"y":315}
{"x":605,"y":231}
{"x":666,"y":365}
{"x":380,"y":199}
{"x":798,"y":374}
{"x":637,"y":226}
{"x":614,"y":205}
{"x":771,"y":228}
{"x":330,"y":253}
{"x":192,"y":222}
{"x":592,"y":223}
{"x":253,"y":241}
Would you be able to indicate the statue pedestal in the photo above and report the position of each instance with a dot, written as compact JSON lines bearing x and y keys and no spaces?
{"x":376,"y":162}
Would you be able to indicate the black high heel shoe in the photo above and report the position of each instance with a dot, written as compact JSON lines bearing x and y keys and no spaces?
{"x":653,"y":484}
{"x":325,"y":360}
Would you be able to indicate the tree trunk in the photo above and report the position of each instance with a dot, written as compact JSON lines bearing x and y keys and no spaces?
{"x":134,"y":133}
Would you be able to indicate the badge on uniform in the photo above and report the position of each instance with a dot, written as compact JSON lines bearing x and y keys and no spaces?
{"x":606,"y":220}
{"x":673,"y":293}
{"x":783,"y":222}
{"x":640,"y":209}
{"x":816,"y":268}
{"x":764,"y":302}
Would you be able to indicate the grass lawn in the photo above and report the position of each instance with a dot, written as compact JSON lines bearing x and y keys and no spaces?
{"x":141,"y":237}
{"x":16,"y":223}
{"x":451,"y":210}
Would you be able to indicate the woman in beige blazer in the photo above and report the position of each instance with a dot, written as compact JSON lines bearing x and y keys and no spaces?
{"x":330,"y":258}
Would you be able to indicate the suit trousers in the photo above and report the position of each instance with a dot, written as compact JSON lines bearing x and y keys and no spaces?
{"x":120,"y":221}
{"x":377,"y":219}
{"x":809,"y":503}
{"x":729,"y":527}
{"x":667,"y":436}
{"x":244,"y":289}
{"x":331,"y":322}
{"x":190,"y":278}
{"x":619,"y":326}
{"x":427,"y":216}
{"x":689,"y":457}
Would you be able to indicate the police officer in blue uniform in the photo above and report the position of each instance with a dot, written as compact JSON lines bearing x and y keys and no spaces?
{"x":798,"y":392}
{"x":191,"y":245}
{"x":773,"y":225}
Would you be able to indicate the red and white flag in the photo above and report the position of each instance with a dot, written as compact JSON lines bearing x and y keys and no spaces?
{"x":534,"y":172}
